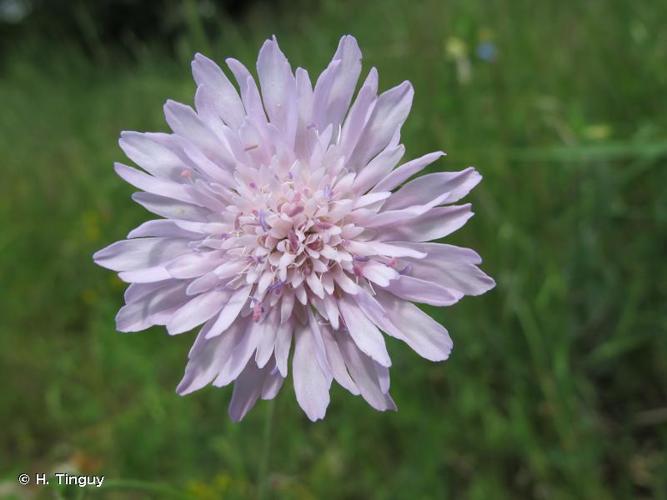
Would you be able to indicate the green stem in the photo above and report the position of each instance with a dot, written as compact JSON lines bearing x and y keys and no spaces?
{"x":263,"y":476}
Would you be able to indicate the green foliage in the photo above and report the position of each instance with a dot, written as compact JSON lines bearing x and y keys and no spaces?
{"x":557,"y":387}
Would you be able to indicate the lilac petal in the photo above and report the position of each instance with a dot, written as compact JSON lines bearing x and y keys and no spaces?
{"x":430,"y":186}
{"x":315,"y":285}
{"x":247,"y":390}
{"x":371,"y":248}
{"x":225,"y":99}
{"x":311,"y":384}
{"x":208,"y":356}
{"x":155,"y":185}
{"x":258,"y":148}
{"x":202,"y":228}
{"x":451,"y":266}
{"x":278,"y":89}
{"x":286,"y":306}
{"x":151,"y":155}
{"x":335,"y":87}
{"x":379,"y":273}
{"x":363,"y":371}
{"x":331,"y":309}
{"x":146,"y":275}
{"x":390,"y":112}
{"x":336,"y":361}
{"x":423,"y":334}
{"x":273,"y":381}
{"x":150,"y":305}
{"x":137,"y":291}
{"x":426,"y":292}
{"x":169,"y":208}
{"x":407,"y":170}
{"x":304,"y":94}
{"x":130,"y":255}
{"x":305,"y":136}
{"x":194,"y":265}
{"x":400,"y":216}
{"x":197,"y":311}
{"x":283,"y":344}
{"x":240,"y":355}
{"x":359,"y":114}
{"x":365,"y":334}
{"x":383,"y":377}
{"x":162,"y":228}
{"x":371,"y":199}
{"x":345,"y":283}
{"x":378,"y":168}
{"x":204,"y":165}
{"x":318,"y":344}
{"x":230,"y":311}
{"x":184,"y":122}
{"x":376,"y":313}
{"x":268,"y":341}
{"x":434,"y":224}
{"x":203,"y":284}
{"x":249,"y":91}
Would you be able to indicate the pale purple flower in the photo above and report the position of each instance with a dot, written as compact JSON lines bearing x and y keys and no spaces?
{"x":285,"y":225}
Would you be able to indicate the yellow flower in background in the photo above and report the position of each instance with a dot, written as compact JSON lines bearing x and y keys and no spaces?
{"x":597,"y":132}
{"x":456,"y":48}
{"x":457,"y":51}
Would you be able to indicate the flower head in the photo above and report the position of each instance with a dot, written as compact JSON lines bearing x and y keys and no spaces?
{"x":284,"y":222}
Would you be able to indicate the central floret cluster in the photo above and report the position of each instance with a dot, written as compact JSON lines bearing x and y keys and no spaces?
{"x":287,"y":222}
{"x":294,"y":233}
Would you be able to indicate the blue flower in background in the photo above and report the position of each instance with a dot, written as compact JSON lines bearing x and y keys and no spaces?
{"x":487,"y":51}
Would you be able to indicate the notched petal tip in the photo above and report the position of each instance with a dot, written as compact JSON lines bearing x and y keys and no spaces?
{"x":201,"y":57}
{"x":446,"y":354}
{"x":346,"y":45}
{"x":183,"y":389}
{"x":271,"y":41}
{"x":127,"y":135}
{"x":347,"y":38}
{"x":171,"y":106}
{"x":315,"y":418}
{"x":404,"y":89}
{"x":474,"y":174}
{"x":488,"y":284}
{"x":125,"y":323}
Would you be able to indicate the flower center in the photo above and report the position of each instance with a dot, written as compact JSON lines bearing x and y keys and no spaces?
{"x":295,"y":243}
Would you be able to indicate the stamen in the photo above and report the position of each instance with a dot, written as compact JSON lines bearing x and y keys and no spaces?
{"x":262,"y":220}
{"x":257,"y":311}
{"x":276,"y":287}
{"x":293,"y":240}
{"x":296,"y":210}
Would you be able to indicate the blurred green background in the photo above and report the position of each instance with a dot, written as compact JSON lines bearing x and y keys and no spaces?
{"x":557,"y":386}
